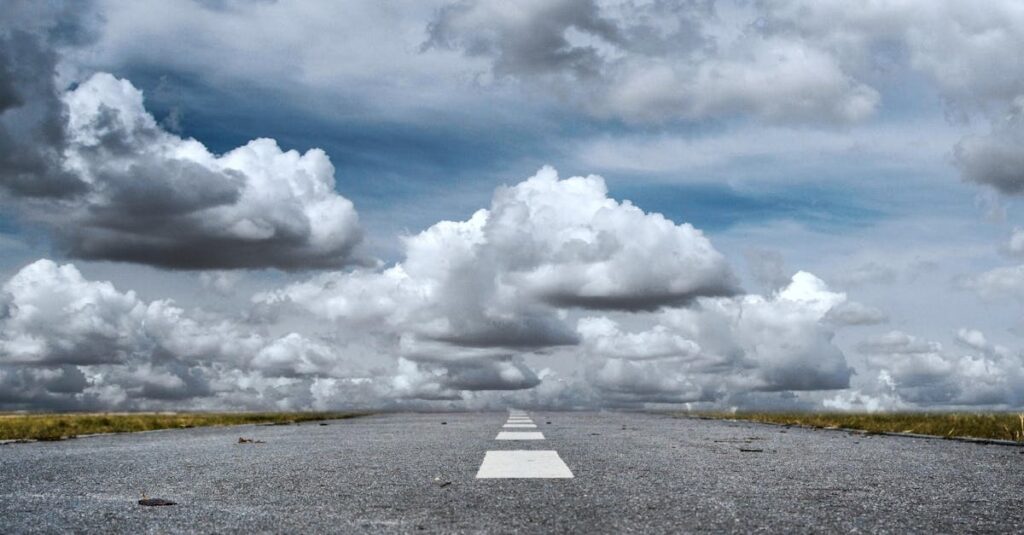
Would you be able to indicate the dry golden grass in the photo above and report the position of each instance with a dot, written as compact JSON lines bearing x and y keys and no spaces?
{"x":67,"y":425}
{"x":1001,"y":426}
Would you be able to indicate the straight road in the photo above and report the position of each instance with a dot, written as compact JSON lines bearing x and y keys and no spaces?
{"x":602,"y":472}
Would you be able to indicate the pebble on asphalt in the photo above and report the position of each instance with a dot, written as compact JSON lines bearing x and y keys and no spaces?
{"x":155,"y":502}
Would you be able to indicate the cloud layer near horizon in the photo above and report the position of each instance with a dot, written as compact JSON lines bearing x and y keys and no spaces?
{"x":551,"y":268}
{"x":458,"y":319}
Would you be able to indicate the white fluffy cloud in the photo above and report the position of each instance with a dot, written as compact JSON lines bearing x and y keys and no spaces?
{"x":723,"y":347}
{"x":112,"y":184}
{"x":913,"y":371}
{"x":155,"y":198}
{"x":470,"y":294}
{"x":66,"y":341}
{"x":496,"y":279}
{"x":462,"y":281}
{"x":455,"y":316}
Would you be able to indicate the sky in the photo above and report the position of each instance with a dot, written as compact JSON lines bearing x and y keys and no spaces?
{"x":473,"y":204}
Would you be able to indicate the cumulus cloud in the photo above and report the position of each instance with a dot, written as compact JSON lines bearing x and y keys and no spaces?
{"x":510,"y":280}
{"x":155,"y":198}
{"x":722,"y":347}
{"x":114,"y":185}
{"x":456,"y":316}
{"x":496,"y":279}
{"x":66,"y":341}
{"x":912,"y":370}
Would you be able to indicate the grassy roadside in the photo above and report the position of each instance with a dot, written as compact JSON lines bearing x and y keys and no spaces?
{"x":1001,"y":426}
{"x":69,"y":425}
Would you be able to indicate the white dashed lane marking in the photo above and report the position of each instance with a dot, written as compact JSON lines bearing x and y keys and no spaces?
{"x":515,"y":464}
{"x":528,"y":426}
{"x":520,"y":435}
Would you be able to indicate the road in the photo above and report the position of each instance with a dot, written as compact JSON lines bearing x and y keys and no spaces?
{"x":621,"y":472}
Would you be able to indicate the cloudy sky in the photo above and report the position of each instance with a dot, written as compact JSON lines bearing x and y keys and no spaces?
{"x":467,"y":204}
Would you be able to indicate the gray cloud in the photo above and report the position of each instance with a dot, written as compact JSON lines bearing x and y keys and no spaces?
{"x":68,"y":342}
{"x":996,"y":160}
{"x":32,"y":116}
{"x":912,"y":370}
{"x":498,"y":279}
{"x":655,"y":62}
{"x":854,"y":313}
{"x":525,"y":40}
{"x":114,"y":185}
{"x":155,"y":198}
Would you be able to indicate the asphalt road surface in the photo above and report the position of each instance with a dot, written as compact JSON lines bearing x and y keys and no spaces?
{"x":607,"y":472}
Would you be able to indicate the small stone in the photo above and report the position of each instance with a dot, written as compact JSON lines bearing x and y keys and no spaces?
{"x":155,"y":502}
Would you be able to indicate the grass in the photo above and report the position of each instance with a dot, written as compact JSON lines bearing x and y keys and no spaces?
{"x":1001,"y":426}
{"x":69,"y":425}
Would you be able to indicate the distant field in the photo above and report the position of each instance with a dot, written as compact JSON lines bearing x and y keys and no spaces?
{"x":69,"y":425}
{"x":1002,"y":426}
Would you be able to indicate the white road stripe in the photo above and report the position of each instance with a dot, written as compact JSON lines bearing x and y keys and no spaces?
{"x":532,"y":426}
{"x":523,"y":464}
{"x":519,"y":421}
{"x":519,"y":435}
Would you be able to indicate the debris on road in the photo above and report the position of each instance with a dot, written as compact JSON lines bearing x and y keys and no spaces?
{"x":243,"y":440}
{"x":751,"y":450}
{"x":441,"y":482}
{"x":155,"y":502}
